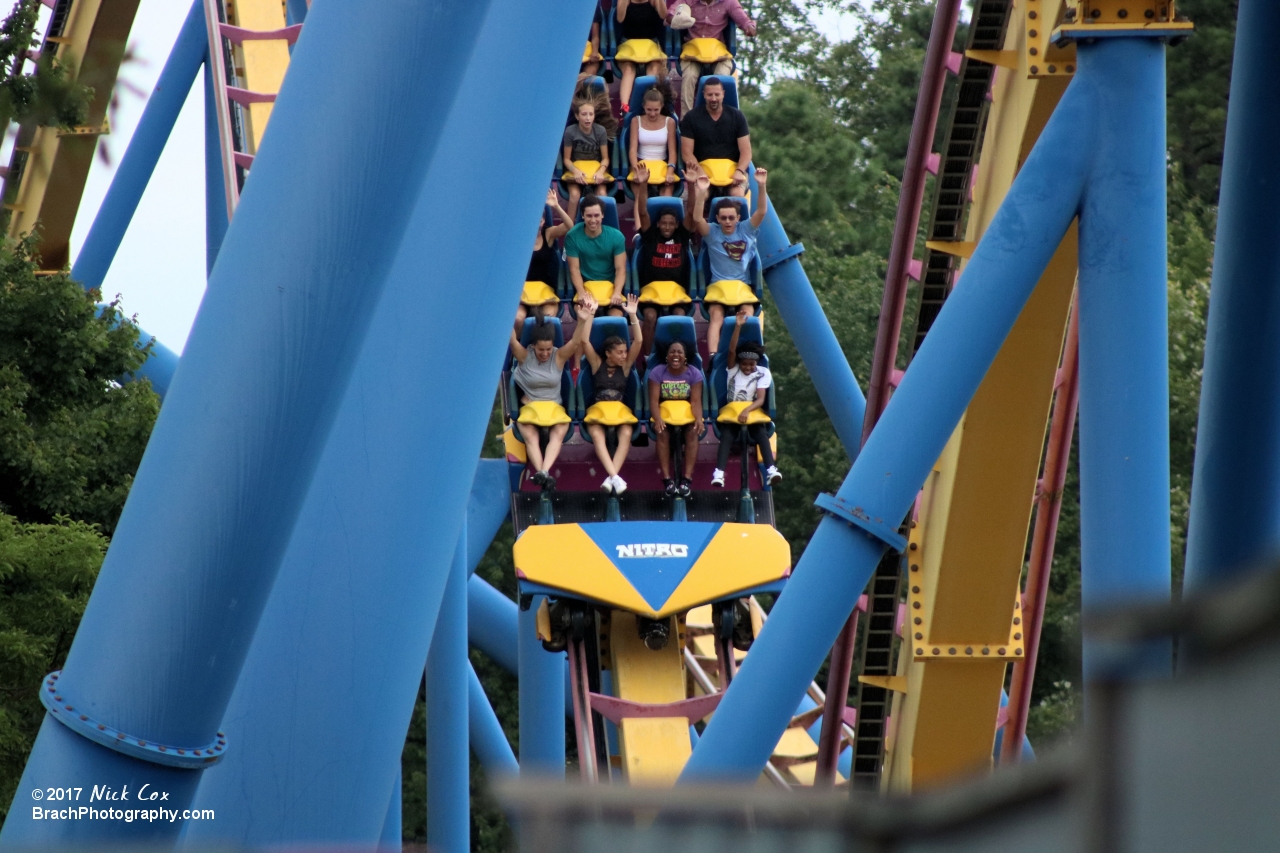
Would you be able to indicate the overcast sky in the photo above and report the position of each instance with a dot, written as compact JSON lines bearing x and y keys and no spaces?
{"x":159,"y":270}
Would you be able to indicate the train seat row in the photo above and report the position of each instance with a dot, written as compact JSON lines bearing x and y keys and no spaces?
{"x":576,"y":395}
{"x":662,"y":293}
{"x":619,"y":157}
{"x":671,"y":49}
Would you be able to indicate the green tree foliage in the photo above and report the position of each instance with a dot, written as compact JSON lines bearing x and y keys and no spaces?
{"x":46,"y":574}
{"x":1199,"y":77}
{"x":71,"y":436}
{"x":50,"y":97}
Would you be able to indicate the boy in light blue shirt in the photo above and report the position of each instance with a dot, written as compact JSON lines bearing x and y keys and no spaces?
{"x":731,"y":246}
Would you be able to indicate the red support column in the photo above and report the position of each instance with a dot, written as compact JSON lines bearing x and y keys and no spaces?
{"x":1049,"y":497}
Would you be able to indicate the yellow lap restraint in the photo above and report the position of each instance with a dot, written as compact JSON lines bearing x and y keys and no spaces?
{"x":705,"y":50}
{"x":609,"y":413}
{"x":657,"y":171}
{"x":589,"y":168}
{"x":676,"y":412}
{"x":543,"y":413}
{"x":729,"y":413}
{"x":642,"y":51}
{"x":730,"y":292}
{"x":664,"y":293}
{"x":537,"y":293}
{"x":601,"y":291}
{"x":588,"y":54}
{"x":719,"y":172}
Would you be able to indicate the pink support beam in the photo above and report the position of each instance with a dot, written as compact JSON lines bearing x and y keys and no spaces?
{"x":1049,"y":503}
{"x":239,"y":35}
{"x":939,"y":58}
{"x":616,"y":710}
{"x":244,"y":97}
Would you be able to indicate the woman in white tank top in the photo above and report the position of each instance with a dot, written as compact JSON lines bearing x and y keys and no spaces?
{"x":653,"y":140}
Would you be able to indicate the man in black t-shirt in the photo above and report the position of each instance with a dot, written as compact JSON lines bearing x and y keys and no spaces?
{"x":662,"y":259}
{"x":715,"y":140}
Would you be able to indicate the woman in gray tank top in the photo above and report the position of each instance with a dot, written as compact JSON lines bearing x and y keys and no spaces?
{"x":537,"y":375}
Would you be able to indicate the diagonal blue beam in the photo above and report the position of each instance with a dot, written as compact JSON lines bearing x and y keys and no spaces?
{"x":352,"y":613}
{"x":145,"y":147}
{"x":811,"y":332}
{"x":488,"y":740}
{"x":239,"y":441}
{"x":134,"y":173}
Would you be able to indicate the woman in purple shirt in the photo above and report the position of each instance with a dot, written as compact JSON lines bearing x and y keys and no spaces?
{"x":675,"y":395}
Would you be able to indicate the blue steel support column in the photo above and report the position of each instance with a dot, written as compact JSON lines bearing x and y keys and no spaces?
{"x":899,"y":454}
{"x":816,"y":342}
{"x":216,"y":218}
{"x":492,"y":621}
{"x":488,"y":740}
{"x":448,"y":689}
{"x":392,"y":834}
{"x":145,"y":147}
{"x":238,"y":441}
{"x":487,"y":507}
{"x":1235,"y":493}
{"x":542,"y":706}
{"x":1124,"y":381}
{"x":340,"y":649}
{"x":295,"y":11}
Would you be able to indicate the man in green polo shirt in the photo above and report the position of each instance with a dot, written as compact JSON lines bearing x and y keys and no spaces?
{"x":597,"y":256}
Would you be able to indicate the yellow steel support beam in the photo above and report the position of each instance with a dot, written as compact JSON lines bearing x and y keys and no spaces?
{"x":965,"y":553}
{"x":57,"y":165}
{"x":654,"y":749}
{"x":1043,"y":58}
{"x":261,"y":64}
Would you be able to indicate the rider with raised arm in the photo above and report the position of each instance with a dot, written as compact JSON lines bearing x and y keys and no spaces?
{"x":610,"y":370}
{"x":539,"y":294}
{"x":731,"y":246}
{"x":537,"y":376}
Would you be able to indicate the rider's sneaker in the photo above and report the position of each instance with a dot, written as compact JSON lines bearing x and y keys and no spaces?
{"x":619,"y":484}
{"x":669,"y":488}
{"x":717,"y":478}
{"x":685,"y":488}
{"x":607,"y":485}
{"x":772,"y":475}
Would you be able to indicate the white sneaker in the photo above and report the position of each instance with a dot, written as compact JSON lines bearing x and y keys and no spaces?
{"x":717,"y":478}
{"x":607,"y":485}
{"x":619,"y":484}
{"x":772,"y":475}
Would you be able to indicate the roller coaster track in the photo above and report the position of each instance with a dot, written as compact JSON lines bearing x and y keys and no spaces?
{"x":46,"y":176}
{"x":964,"y":618}
{"x":48,"y":168}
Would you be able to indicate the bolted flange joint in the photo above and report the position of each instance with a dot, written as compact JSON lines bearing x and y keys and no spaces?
{"x":185,"y":757}
{"x":858,"y":517}
{"x":768,"y":262}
